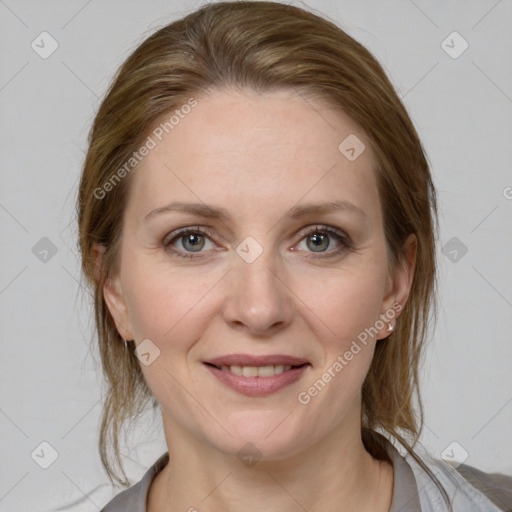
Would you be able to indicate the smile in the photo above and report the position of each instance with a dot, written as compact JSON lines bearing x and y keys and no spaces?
{"x":257,"y":371}
{"x":257,"y":380}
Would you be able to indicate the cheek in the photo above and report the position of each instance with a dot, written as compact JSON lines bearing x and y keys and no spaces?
{"x":171,"y":309}
{"x":167,"y":305}
{"x":341,"y":319}
{"x":344,"y":305}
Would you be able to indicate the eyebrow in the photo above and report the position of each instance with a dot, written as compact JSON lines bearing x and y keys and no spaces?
{"x":298,"y":211}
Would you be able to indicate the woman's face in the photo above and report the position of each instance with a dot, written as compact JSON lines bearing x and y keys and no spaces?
{"x":251,"y":176}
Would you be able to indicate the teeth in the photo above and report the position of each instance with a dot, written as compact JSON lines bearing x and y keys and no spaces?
{"x":234,"y":369}
{"x":249,"y":371}
{"x":256,"y":371}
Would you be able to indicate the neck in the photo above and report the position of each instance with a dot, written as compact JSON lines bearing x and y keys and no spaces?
{"x":335,"y":474}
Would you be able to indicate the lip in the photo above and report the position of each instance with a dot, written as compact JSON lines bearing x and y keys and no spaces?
{"x":258,"y":386}
{"x":251,"y":360}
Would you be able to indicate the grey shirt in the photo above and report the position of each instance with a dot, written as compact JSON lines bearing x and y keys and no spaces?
{"x":470,"y":489}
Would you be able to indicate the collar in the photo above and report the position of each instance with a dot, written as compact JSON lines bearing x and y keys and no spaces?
{"x":405,"y":496}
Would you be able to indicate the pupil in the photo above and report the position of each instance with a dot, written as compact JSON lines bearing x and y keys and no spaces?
{"x":318,"y":239}
{"x":193,"y":239}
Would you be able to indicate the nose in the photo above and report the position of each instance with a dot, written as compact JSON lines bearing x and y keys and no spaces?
{"x":258,"y":298}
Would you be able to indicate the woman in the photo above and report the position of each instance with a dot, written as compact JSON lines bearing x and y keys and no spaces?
{"x":258,"y":221}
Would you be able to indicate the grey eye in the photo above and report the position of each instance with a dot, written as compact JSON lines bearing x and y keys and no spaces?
{"x":195,"y":240}
{"x":320,"y":242}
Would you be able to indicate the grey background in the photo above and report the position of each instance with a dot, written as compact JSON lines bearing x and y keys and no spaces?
{"x":50,"y":388}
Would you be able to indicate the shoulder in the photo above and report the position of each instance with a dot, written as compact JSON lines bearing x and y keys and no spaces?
{"x":134,"y":499}
{"x":468,"y":488}
{"x":496,"y":486}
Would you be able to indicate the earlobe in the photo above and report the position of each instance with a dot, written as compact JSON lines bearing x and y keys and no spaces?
{"x":116,"y":304}
{"x":401,"y":283}
{"x":113,"y":296}
{"x":405,"y":274}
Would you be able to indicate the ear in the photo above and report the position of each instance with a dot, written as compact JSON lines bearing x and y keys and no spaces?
{"x":114,"y":297}
{"x":399,"y":286}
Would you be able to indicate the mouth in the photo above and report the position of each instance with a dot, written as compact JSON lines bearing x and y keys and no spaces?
{"x":257,"y":375}
{"x":257,"y":371}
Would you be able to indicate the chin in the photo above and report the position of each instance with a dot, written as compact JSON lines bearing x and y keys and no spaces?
{"x":265,"y":435}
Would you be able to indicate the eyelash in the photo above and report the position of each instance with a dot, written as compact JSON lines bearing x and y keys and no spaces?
{"x":344,"y":239}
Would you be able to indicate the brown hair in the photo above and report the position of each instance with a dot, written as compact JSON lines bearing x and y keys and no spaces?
{"x":264,"y":46}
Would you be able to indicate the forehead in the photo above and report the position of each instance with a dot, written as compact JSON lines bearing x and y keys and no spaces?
{"x":243,"y":148}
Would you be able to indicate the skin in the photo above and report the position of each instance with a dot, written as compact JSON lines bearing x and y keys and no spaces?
{"x":258,"y":156}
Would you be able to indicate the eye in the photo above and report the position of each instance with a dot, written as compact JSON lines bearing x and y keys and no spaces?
{"x":319,"y":238}
{"x":192,"y":240}
{"x":187,"y":242}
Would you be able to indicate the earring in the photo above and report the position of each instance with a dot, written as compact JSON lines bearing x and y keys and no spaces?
{"x":390,"y":328}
